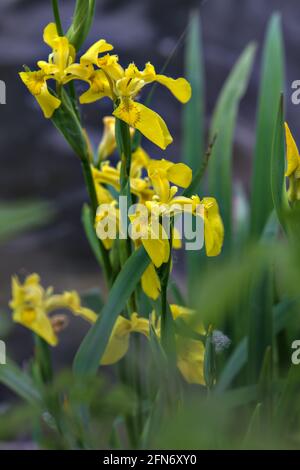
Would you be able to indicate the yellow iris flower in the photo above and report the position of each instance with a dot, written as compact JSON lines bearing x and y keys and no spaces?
{"x":109,"y":175}
{"x":60,"y":67}
{"x":124,"y":85}
{"x":119,"y":340}
{"x":293,"y":166}
{"x":190,"y":352}
{"x":162,"y":172}
{"x":32,"y":304}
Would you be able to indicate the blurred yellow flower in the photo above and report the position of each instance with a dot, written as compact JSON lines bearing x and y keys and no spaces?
{"x":32,"y":304}
{"x":293,"y":166}
{"x":119,"y":340}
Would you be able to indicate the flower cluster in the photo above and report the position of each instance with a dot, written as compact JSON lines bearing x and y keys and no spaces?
{"x":33,"y":307}
{"x":106,"y":78}
{"x":151,"y":184}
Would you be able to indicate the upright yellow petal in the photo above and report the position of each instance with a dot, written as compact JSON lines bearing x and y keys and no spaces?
{"x":292,"y":153}
{"x":180,"y":174}
{"x":180,"y":87}
{"x":50,"y":35}
{"x":92,"y":54}
{"x":151,"y":283}
{"x":148,"y":122}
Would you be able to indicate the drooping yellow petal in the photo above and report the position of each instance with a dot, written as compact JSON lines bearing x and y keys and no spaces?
{"x":47,"y":102}
{"x":148,"y":122}
{"x":36,"y":84}
{"x":151,"y":283}
{"x":292,"y":153}
{"x":92,"y":54}
{"x":118,"y":343}
{"x":180,"y":87}
{"x":37,"y":321}
{"x":158,"y":250}
{"x":213,"y":227}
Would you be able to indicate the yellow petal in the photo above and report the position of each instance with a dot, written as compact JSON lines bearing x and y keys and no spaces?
{"x":151,"y":282}
{"x":47,"y":102}
{"x":292,"y":153}
{"x":50,"y":35}
{"x":139,"y":324}
{"x":213,"y":227}
{"x":180,"y":174}
{"x":118,"y":343}
{"x":92,"y":54}
{"x":190,"y":360}
{"x":37,"y":321}
{"x":158,"y":250}
{"x":76,"y":72}
{"x":148,"y":122}
{"x":180,"y":87}
{"x":36,"y":83}
{"x":99,"y":88}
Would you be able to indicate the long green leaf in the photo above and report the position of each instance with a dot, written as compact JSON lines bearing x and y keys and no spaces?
{"x":93,"y":346}
{"x":193,"y":121}
{"x":272,"y":85}
{"x":19,"y":382}
{"x":238,"y":358}
{"x":223,"y":125}
{"x":82,"y":22}
{"x":278,"y":189}
{"x":18,"y":217}
{"x":193,"y":117}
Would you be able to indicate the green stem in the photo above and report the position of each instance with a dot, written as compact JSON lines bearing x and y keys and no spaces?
{"x":43,"y":360}
{"x":164,"y":280}
{"x":86,"y":167}
{"x":57,"y":17}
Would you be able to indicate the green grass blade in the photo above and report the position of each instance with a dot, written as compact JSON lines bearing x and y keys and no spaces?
{"x":18,"y":217}
{"x":193,"y":112}
{"x":238,"y":358}
{"x":279,"y":195}
{"x":223,"y":125}
{"x":193,"y":125}
{"x":19,"y":382}
{"x":93,"y":346}
{"x":272,"y":85}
